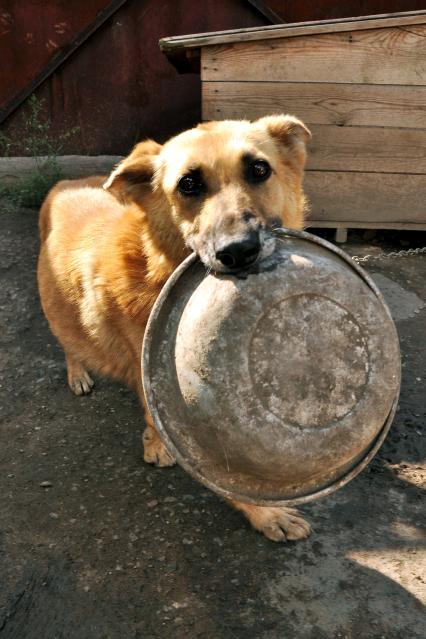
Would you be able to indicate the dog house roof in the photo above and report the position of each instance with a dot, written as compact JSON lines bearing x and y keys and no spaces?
{"x":184,"y":51}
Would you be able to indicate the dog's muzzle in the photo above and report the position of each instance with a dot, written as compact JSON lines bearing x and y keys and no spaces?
{"x":240,"y":254}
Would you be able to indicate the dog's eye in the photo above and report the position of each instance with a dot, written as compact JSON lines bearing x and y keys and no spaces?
{"x":191,"y":184}
{"x":259,"y":171}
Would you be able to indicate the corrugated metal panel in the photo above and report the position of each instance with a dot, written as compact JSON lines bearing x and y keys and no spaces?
{"x":304,"y":10}
{"x":32,"y":37}
{"x":118,"y":87}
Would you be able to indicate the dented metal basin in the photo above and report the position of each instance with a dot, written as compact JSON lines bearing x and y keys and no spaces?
{"x":277,"y":387}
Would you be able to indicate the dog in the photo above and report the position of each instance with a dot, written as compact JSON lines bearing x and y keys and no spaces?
{"x":108,"y":245}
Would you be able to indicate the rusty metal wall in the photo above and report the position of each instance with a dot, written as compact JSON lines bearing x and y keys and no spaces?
{"x":32,"y":34}
{"x":117,"y":87}
{"x":304,"y":10}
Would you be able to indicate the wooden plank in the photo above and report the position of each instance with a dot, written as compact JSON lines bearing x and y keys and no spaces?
{"x":379,"y":56}
{"x":367,"y":149}
{"x":363,"y":198}
{"x":198,"y":40}
{"x":341,"y":234}
{"x":339,"y":104}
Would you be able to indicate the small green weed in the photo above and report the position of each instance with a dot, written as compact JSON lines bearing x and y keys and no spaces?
{"x":30,"y":190}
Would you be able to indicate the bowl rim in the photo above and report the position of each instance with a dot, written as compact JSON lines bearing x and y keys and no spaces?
{"x":176,"y":453}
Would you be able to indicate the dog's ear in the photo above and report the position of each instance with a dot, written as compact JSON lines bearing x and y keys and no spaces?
{"x":132,"y":178}
{"x":290,"y":134}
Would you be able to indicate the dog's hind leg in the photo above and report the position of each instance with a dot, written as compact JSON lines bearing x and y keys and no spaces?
{"x":154,"y":451}
{"x":79,"y":379}
{"x":276,"y":523}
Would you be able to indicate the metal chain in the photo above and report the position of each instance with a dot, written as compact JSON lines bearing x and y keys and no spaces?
{"x":387,"y":256}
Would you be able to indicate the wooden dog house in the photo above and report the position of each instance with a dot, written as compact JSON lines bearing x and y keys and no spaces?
{"x":360,"y":86}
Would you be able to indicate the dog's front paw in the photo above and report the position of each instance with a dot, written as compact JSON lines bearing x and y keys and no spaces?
{"x":154,"y":450}
{"x":79,"y":379}
{"x":280,"y":524}
{"x":276,"y":523}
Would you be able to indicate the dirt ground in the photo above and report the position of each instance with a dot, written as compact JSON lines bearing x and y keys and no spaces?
{"x":95,"y":544}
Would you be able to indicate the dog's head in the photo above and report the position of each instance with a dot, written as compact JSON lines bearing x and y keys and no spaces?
{"x":224,"y":186}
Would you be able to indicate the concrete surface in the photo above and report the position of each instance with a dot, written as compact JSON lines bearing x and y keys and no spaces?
{"x":94,"y":544}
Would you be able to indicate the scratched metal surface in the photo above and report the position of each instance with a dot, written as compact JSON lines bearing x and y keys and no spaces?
{"x":277,"y":387}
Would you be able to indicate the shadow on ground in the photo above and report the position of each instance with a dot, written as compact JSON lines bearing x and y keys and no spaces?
{"x":110,"y":548}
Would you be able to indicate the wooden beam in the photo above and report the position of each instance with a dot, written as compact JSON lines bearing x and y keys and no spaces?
{"x":378,"y":56}
{"x":314,"y":103}
{"x":367,"y":149}
{"x":341,"y":234}
{"x":357,"y":199}
{"x":199,"y":40}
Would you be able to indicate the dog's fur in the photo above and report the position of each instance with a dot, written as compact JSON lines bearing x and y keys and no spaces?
{"x":106,"y":252}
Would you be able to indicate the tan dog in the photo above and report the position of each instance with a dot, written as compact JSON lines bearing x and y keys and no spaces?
{"x":219,"y":190}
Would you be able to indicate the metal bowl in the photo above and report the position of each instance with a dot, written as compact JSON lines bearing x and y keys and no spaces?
{"x":277,"y":387}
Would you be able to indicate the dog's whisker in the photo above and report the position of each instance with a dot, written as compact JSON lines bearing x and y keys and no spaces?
{"x":226,"y":456}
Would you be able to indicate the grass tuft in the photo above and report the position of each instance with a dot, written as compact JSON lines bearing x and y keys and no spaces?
{"x":30,"y":190}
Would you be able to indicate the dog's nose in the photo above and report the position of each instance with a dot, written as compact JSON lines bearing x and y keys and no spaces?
{"x":240,"y":254}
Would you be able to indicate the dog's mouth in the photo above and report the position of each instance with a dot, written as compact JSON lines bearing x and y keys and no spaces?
{"x":238,"y":256}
